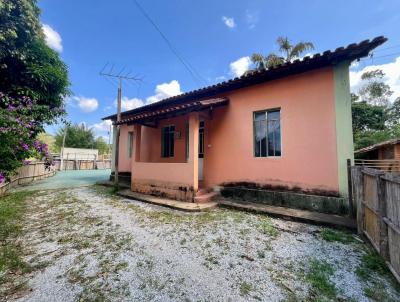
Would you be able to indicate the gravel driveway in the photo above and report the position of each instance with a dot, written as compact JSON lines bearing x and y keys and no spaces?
{"x":89,"y":245}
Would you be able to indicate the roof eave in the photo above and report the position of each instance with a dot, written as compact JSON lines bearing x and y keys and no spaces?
{"x":327,"y":58}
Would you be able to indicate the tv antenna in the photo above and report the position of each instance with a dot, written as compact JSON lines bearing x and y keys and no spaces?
{"x":110,"y":74}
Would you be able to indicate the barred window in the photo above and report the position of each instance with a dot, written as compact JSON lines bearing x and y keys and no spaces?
{"x":267,"y":133}
{"x":130,"y":143}
{"x":167,"y":141}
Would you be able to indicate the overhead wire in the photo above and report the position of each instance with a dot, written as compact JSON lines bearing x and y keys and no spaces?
{"x":188,"y":66}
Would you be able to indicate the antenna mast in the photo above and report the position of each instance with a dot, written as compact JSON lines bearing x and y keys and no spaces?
{"x":110,"y":75}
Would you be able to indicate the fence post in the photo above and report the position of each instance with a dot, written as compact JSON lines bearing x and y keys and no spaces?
{"x":383,"y":229}
{"x":350,"y":188}
{"x":34,"y":171}
{"x":358,"y":194}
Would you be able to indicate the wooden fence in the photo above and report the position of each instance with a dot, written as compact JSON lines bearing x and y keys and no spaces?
{"x":387,"y":165}
{"x":28,"y":173}
{"x":377,"y":195}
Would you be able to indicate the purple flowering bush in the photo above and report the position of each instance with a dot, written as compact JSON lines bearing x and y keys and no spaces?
{"x":21,"y":119}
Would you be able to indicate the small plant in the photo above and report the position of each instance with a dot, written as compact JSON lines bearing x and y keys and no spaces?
{"x":261,"y":254}
{"x":377,"y":292}
{"x":121,"y":266}
{"x":266,"y":227}
{"x":371,"y":263}
{"x":245,"y":288}
{"x":115,"y":189}
{"x":339,"y":236}
{"x":318,"y":277}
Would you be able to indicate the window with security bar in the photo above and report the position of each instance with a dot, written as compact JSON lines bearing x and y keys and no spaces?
{"x":267,"y":133}
{"x":130,"y":143}
{"x":167,"y":141}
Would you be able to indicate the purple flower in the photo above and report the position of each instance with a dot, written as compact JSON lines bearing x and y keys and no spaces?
{"x":26,"y":162}
{"x":1,"y":177}
{"x":25,"y":147}
{"x":36,"y":145}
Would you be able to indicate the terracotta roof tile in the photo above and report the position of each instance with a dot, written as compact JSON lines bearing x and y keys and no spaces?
{"x":351,"y":52}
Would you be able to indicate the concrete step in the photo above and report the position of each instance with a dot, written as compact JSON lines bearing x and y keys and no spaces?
{"x":174,"y":204}
{"x":206,"y":197}
{"x":291,"y":214}
{"x":203,"y":191}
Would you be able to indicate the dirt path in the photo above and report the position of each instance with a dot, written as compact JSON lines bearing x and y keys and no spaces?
{"x":88,"y":245}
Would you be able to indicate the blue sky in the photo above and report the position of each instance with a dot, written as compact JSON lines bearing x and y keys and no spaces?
{"x":215,"y":37}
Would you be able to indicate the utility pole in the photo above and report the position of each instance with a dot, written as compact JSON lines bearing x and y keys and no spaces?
{"x":118,"y":130}
{"x":120,"y":77}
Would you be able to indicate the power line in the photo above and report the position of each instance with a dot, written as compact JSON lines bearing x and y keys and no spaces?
{"x":386,"y":48}
{"x":372,"y":57}
{"x":189,"y":67}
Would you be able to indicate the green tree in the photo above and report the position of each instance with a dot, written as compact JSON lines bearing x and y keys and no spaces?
{"x":78,"y":136}
{"x":33,"y":85}
{"x":289,"y":52}
{"x":19,"y":26}
{"x":368,"y":117}
{"x":27,"y":65}
{"x":393,"y":113}
{"x":374,"y":118}
{"x":374,"y":91}
{"x":102,"y":146}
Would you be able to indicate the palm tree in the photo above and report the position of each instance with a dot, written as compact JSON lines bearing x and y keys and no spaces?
{"x":288,"y":50}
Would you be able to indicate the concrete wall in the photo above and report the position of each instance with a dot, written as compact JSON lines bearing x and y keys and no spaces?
{"x":308,"y":129}
{"x":344,"y":132}
{"x":80,"y":154}
{"x":166,"y":177}
{"x":124,"y":161}
{"x":151,"y":142}
{"x":315,"y":142}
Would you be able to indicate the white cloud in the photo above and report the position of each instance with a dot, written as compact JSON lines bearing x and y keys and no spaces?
{"x":102,"y":129}
{"x":84,"y":103}
{"x":251,"y":18}
{"x":240,"y":66}
{"x":165,"y":90}
{"x":129,"y":104}
{"x":220,"y":78}
{"x":162,"y":91}
{"x":230,"y":22}
{"x":392,"y":76}
{"x":354,"y":64}
{"x":53,"y":38}
{"x":103,"y":126}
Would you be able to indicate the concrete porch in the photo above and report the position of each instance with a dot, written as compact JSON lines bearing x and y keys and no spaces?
{"x":168,"y":153}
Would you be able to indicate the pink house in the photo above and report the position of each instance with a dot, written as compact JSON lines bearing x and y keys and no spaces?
{"x":288,"y":126}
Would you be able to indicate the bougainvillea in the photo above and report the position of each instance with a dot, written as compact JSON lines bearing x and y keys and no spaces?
{"x":21,"y":119}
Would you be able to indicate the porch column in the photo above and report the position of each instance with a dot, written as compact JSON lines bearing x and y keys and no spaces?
{"x":138,"y":140}
{"x":193,"y":159}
